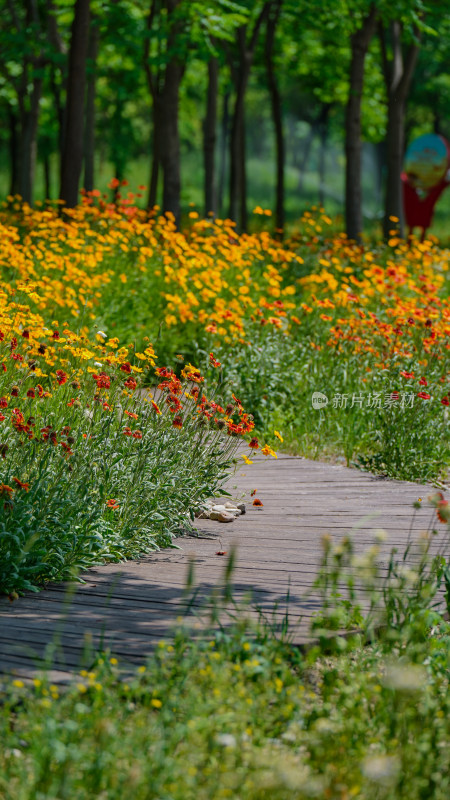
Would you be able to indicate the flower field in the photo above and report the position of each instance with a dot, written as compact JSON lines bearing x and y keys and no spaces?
{"x":89,"y":296}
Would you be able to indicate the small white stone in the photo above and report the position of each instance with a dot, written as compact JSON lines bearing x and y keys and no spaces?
{"x":221,"y":516}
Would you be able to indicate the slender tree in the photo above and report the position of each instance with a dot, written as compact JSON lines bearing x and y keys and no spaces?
{"x":277,"y":114}
{"x":360,"y":41}
{"x":72,"y":155}
{"x":22,"y":62}
{"x":241,"y":60}
{"x":89,"y":131}
{"x":398,"y":74}
{"x":210,"y":137}
{"x":164,"y":79}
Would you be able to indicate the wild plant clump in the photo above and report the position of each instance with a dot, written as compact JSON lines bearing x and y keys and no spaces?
{"x":93,"y":468}
{"x":262,"y":720}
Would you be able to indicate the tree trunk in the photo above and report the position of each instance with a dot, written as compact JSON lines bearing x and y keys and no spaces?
{"x":156,"y":157}
{"x":223,"y":147}
{"x":394,"y":160}
{"x":305,"y":155}
{"x":210,"y":136}
{"x":170,"y":141}
{"x":72,"y":157}
{"x":236,"y":148}
{"x":240,"y":76}
{"x":28,"y":144}
{"x":243,"y":216}
{"x":47,"y":177}
{"x":323,"y":136}
{"x":13,"y":152}
{"x":89,"y":133}
{"x":360,"y":42}
{"x":398,"y":76}
{"x":277,"y":115}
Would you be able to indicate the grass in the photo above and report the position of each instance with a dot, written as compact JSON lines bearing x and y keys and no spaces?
{"x":239,"y":713}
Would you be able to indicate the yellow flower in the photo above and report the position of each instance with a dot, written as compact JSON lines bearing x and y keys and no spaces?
{"x":278,"y":435}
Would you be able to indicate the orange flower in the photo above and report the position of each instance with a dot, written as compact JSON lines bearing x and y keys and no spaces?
{"x":5,"y":489}
{"x":112,"y":503}
{"x":257,"y":503}
{"x":443,"y":511}
{"x":253,"y":443}
{"x":22,"y":485}
{"x":177,"y":422}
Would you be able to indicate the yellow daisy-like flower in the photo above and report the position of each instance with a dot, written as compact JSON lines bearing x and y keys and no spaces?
{"x":278,"y":435}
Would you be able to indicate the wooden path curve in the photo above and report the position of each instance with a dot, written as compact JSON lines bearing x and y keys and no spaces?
{"x":128,"y":607}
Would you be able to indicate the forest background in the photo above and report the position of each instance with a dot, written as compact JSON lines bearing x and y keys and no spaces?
{"x":223,"y":105}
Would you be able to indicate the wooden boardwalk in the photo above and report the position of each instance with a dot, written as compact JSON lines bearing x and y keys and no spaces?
{"x":128,"y":607}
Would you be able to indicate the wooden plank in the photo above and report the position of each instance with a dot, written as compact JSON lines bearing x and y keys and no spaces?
{"x":132,"y":605}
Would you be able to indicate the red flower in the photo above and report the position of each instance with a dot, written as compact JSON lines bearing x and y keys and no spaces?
{"x":423,"y":395}
{"x":214,"y":361}
{"x":15,"y":391}
{"x":177,"y":422}
{"x":445,"y":401}
{"x":31,"y":393}
{"x":257,"y":503}
{"x":163,"y":372}
{"x":126,"y":366}
{"x":131,"y":384}
{"x":22,"y":485}
{"x":253,"y":443}
{"x":13,"y":343}
{"x":102,"y":380}
{"x":5,"y":489}
{"x":40,"y":390}
{"x":17,"y":357}
{"x":61,"y":376}
{"x":3,"y":402}
{"x":423,"y":382}
{"x":26,"y":334}
{"x":131,"y":414}
{"x":55,"y":335}
{"x":111,"y":503}
{"x":407,"y":375}
{"x":137,"y":435}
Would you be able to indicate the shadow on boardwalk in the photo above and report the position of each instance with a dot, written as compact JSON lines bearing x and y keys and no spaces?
{"x":128,"y":608}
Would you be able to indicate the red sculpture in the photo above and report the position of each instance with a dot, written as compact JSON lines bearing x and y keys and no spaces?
{"x":419,"y":202}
